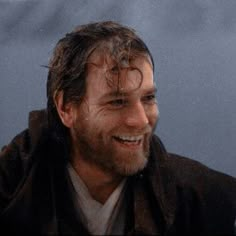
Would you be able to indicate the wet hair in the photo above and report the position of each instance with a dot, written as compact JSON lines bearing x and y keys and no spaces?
{"x":68,"y":66}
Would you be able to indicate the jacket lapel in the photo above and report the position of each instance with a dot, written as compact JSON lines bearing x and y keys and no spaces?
{"x":144,"y":221}
{"x":154,"y":195}
{"x":162,"y":182}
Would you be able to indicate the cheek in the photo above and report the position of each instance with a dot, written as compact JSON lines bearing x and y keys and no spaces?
{"x":153,"y":115}
{"x":109,"y":116}
{"x":101,"y":121}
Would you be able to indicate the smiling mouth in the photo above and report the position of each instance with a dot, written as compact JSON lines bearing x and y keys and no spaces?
{"x":129,"y":140}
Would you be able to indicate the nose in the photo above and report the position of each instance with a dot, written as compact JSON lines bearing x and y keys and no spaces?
{"x":137,"y":116}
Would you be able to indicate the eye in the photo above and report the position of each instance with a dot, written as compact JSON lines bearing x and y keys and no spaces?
{"x":118,"y":102}
{"x":151,"y":98}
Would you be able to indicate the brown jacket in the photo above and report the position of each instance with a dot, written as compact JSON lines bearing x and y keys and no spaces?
{"x":172,"y":195}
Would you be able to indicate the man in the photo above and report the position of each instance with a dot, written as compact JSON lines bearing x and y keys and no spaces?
{"x":90,"y":163}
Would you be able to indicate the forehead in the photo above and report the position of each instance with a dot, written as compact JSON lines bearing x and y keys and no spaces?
{"x":106,"y":75}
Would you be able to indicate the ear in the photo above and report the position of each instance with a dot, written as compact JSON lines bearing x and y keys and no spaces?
{"x":65,"y":111}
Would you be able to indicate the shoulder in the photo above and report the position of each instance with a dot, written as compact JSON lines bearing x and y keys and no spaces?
{"x":209,"y":191}
{"x":190,"y":175}
{"x":16,"y":157}
{"x":184,"y":168}
{"x":13,"y":161}
{"x":199,"y":195}
{"x":189,"y":172}
{"x":17,"y":149}
{"x":206,"y":194}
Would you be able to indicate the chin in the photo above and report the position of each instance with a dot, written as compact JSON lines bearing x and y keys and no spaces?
{"x":128,"y":169}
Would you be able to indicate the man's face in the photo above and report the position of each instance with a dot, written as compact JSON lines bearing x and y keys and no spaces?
{"x":112,"y":127}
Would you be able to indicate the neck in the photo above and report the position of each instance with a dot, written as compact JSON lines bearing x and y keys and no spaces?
{"x":100,"y":183}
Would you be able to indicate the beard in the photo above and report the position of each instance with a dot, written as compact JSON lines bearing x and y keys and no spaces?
{"x":96,"y":149}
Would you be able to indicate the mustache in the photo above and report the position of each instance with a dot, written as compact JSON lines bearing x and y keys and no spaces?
{"x":135,"y":132}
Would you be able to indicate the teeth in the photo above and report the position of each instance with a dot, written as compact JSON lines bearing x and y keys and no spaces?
{"x":130,"y":138}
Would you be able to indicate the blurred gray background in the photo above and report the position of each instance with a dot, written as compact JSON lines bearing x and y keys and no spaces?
{"x":194,"y":47}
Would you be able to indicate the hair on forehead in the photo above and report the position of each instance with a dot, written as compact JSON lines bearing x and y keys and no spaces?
{"x":117,"y":56}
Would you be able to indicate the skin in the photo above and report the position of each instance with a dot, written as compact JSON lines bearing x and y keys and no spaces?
{"x":101,"y":125}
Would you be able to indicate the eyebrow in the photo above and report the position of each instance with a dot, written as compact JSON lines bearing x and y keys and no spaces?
{"x":125,"y":94}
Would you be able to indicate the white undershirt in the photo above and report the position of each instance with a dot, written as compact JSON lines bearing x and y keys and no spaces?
{"x":97,"y":217}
